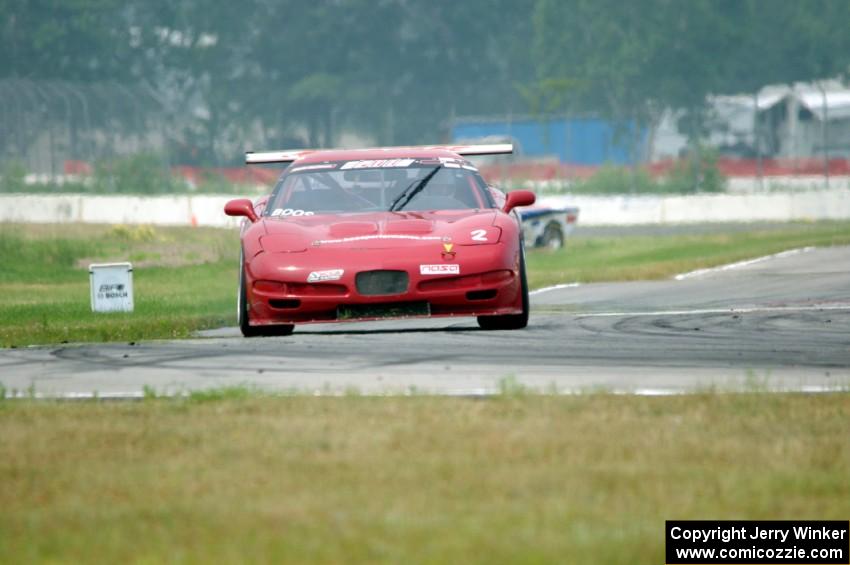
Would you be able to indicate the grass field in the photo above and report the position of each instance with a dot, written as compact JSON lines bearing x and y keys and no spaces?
{"x":185,"y":278}
{"x":513,"y":479}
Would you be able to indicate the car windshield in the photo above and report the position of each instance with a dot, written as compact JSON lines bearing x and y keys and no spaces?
{"x":378,"y":185}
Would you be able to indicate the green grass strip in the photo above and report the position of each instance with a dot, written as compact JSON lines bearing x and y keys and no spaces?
{"x":244,"y":478}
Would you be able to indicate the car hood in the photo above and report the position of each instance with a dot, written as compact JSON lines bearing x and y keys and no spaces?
{"x":378,"y":230}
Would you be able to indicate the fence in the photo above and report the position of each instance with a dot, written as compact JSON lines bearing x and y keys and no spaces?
{"x":45,"y":123}
{"x":594,"y":210}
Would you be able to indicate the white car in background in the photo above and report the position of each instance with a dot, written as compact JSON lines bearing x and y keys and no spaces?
{"x":547,"y":227}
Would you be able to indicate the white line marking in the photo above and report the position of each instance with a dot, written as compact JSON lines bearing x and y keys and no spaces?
{"x":804,"y":389}
{"x":732,"y":310}
{"x":555,"y":287}
{"x":470,"y":392}
{"x":700,"y":272}
{"x":653,"y":392}
{"x":739,"y":264}
{"x":23,"y":394}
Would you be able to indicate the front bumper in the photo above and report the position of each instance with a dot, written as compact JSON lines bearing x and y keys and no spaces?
{"x":488,"y":283}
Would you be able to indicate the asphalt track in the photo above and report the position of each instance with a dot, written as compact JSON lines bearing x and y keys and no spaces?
{"x":779,"y":324}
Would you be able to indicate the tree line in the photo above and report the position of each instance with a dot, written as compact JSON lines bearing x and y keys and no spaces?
{"x":287,"y":72}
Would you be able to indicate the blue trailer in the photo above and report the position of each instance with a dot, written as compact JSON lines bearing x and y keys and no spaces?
{"x":583,"y":141}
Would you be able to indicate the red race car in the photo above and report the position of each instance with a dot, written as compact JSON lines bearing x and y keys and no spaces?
{"x":381,"y":233}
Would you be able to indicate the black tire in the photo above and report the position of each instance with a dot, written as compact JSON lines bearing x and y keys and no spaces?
{"x":511,"y":321}
{"x":242,"y":308}
{"x":553,"y":237}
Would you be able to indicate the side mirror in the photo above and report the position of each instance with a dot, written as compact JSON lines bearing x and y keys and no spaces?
{"x":241,"y":207}
{"x":518,"y":198}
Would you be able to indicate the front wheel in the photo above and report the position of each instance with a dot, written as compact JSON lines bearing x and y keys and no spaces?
{"x":553,"y":238}
{"x":511,"y":321}
{"x":244,"y":316}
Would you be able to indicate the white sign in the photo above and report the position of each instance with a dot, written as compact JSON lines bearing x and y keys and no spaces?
{"x":111,"y":287}
{"x":444,"y":269}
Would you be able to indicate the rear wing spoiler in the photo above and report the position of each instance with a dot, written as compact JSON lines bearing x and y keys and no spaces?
{"x":289,"y":156}
{"x":252,"y":158}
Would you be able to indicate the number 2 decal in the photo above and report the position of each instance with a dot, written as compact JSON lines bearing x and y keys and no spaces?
{"x":479,"y":235}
